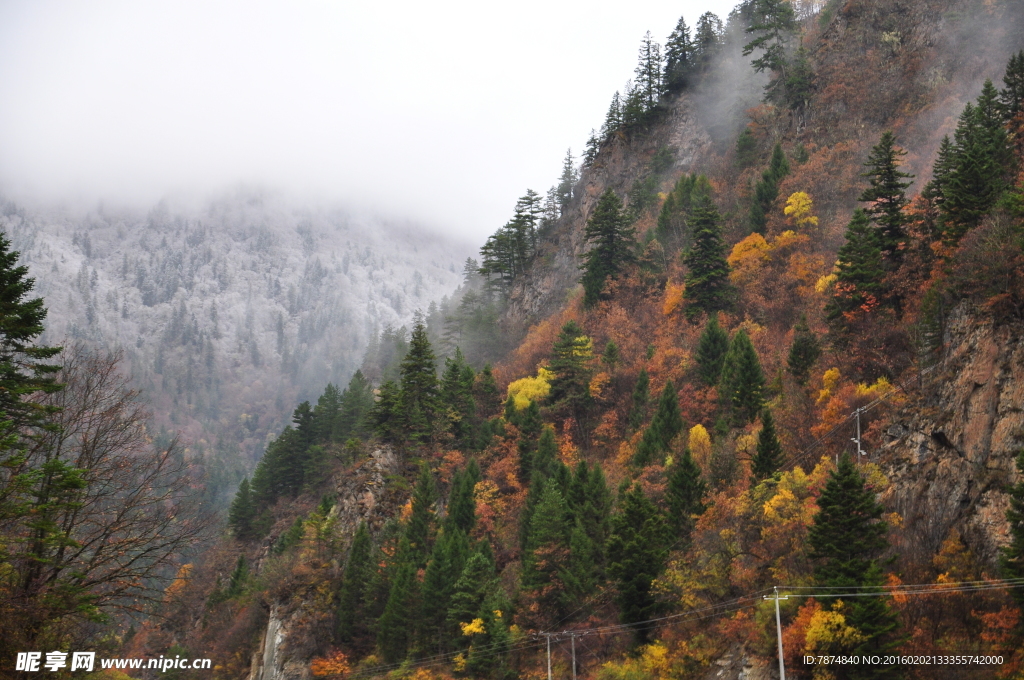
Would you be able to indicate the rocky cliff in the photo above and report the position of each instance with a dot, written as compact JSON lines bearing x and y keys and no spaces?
{"x":950,"y":454}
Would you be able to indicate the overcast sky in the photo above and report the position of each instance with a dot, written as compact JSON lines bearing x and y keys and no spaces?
{"x":438,"y":112}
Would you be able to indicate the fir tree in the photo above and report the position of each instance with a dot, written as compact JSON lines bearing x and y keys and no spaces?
{"x":353,"y":586}
{"x":860,"y":272}
{"x":746,"y":148}
{"x":447,"y":560}
{"x":741,"y":387}
{"x":545,"y":459}
{"x":485,"y":391}
{"x":886,"y":197}
{"x":711,"y":350}
{"x":592,"y":149}
{"x":239,"y":578}
{"x":666,"y":424}
{"x":613,"y":119}
{"x":396,"y":628}
{"x":846,"y":540}
{"x":242,"y":512}
{"x":637,"y":550}
{"x":530,"y":426}
{"x":708,"y":288}
{"x":569,"y":363}
{"x":774,"y":22}
{"x":457,"y":396}
{"x":566,"y":182}
{"x":1011,"y":98}
{"x":1012,"y":557}
{"x":766,"y":191}
{"x":648,"y":72}
{"x":419,"y":531}
{"x":799,"y":80}
{"x":707,"y":39}
{"x":385,"y":416}
{"x":419,"y":388}
{"x":672,"y":229}
{"x":610,"y":356}
{"x":803,"y":353}
{"x":474,"y":583}
{"x":678,"y":57}
{"x":462,"y":501}
{"x":639,"y":400}
{"x":547,"y":553}
{"x":613,"y":246}
{"x":355,"y":403}
{"x":768,"y":458}
{"x":685,"y":496}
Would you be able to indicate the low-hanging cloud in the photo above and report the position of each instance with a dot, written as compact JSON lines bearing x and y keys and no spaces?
{"x":441,"y":113}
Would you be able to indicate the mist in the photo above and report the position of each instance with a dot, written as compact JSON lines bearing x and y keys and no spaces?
{"x":442,"y":114}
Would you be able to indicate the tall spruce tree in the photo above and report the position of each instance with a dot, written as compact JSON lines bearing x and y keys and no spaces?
{"x":396,"y":628}
{"x":666,"y":424}
{"x":685,"y":496}
{"x":639,"y":400}
{"x":385,"y":416}
{"x":708,"y":288}
{"x":648,"y":71}
{"x":1011,"y":98}
{"x":530,"y":425}
{"x":570,"y":364}
{"x":846,"y":540}
{"x":768,"y":457}
{"x":886,"y":196}
{"x":419,"y":386}
{"x":678,"y":57}
{"x":420,"y":530}
{"x":637,"y":550}
{"x":803,"y":353}
{"x":742,"y":384}
{"x":613,"y":246}
{"x":355,"y":402}
{"x":566,"y":182}
{"x":712,"y":347}
{"x":860,"y":274}
{"x":773,"y":24}
{"x":547,"y":553}
{"x":456,"y":392}
{"x":243,"y":513}
{"x":354,"y":583}
{"x":707,"y":39}
{"x":766,"y":191}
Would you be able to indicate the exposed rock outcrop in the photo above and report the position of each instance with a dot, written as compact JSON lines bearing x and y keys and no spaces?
{"x":950,"y":457}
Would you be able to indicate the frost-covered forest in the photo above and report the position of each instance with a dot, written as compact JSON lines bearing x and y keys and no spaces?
{"x":229,"y":313}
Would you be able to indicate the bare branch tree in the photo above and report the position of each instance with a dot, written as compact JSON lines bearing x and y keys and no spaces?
{"x":105,"y":518}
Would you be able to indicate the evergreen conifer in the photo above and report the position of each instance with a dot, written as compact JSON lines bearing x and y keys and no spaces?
{"x":419,"y":387}
{"x":741,"y":387}
{"x":678,"y":57}
{"x":666,"y":424}
{"x":613,"y":246}
{"x":571,"y":354}
{"x":712,"y":347}
{"x":803,"y":353}
{"x":708,"y":288}
{"x":353,"y":586}
{"x":860,"y":272}
{"x":420,"y":529}
{"x":242,"y":512}
{"x":1012,"y":557}
{"x":685,"y":496}
{"x":768,"y":458}
{"x":887,"y":197}
{"x":639,"y":401}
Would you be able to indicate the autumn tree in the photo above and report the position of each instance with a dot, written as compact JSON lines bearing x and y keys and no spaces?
{"x":613,"y":246}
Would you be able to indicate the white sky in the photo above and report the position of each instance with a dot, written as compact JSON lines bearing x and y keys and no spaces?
{"x":438,"y":112}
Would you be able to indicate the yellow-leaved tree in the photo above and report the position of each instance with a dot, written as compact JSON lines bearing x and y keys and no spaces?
{"x":798,"y":209}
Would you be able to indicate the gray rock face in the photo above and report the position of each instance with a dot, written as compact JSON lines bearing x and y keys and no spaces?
{"x":950,"y":457}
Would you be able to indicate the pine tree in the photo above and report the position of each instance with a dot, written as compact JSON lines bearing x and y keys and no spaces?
{"x":774,"y":22}
{"x":648,"y":72}
{"x":846,"y":540}
{"x":545,"y":460}
{"x":385,"y":416}
{"x":474,"y":583}
{"x":485,"y":391}
{"x":766,"y":191}
{"x":711,"y":350}
{"x":860,"y":272}
{"x":592,"y":149}
{"x":396,"y":628}
{"x":746,"y":148}
{"x":242,"y":512}
{"x":570,"y":361}
{"x":803,"y":353}
{"x":530,"y":425}
{"x":547,"y":553}
{"x":419,"y":387}
{"x":768,"y":458}
{"x":741,"y":387}
{"x":799,"y":80}
{"x":239,"y":578}
{"x":420,"y":529}
{"x":590,"y":503}
{"x":613,"y":246}
{"x":447,"y":561}
{"x":672,"y":229}
{"x":24,"y":370}
{"x":613,"y":119}
{"x":1011,"y":98}
{"x":462,"y":500}
{"x":707,"y":39}
{"x":666,"y":424}
{"x":1012,"y":558}
{"x":639,"y":400}
{"x":678,"y":57}
{"x":355,"y":403}
{"x":457,"y":396}
{"x":887,"y":197}
{"x":708,"y":288}
{"x":685,"y":496}
{"x":637,"y":550}
{"x":610,"y":356}
{"x":566,"y":182}
{"x":353,"y":586}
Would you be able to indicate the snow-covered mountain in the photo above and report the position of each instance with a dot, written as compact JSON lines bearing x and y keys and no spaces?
{"x":229,"y":313}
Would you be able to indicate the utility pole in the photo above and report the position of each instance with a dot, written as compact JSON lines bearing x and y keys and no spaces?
{"x":549,"y":636}
{"x":573,"y":639}
{"x":778,"y":630}
{"x":860,"y":451}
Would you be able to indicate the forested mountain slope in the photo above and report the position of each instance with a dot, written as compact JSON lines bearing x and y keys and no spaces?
{"x":769,"y":340}
{"x":228,"y":313}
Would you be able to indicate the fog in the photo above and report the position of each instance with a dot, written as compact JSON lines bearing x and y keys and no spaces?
{"x":439,"y":113}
